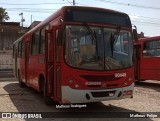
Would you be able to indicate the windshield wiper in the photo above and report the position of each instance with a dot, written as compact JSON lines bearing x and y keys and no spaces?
{"x":89,"y":30}
{"x":114,"y":38}
{"x":92,"y":35}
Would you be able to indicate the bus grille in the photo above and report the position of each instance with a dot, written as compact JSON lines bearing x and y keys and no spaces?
{"x":103,"y":94}
{"x":106,"y":86}
{"x":100,"y":78}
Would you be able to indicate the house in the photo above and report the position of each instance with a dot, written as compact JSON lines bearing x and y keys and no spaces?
{"x":9,"y":32}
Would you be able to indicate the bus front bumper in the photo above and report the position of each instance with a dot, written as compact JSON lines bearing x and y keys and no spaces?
{"x":70,"y":95}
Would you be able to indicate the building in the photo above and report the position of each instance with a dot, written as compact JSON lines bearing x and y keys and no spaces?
{"x":9,"y":32}
{"x":34,"y":23}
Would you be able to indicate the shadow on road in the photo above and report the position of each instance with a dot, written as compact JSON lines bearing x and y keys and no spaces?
{"x":29,"y":100}
{"x":149,"y":84}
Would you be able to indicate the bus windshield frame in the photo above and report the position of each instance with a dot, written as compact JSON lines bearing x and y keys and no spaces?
{"x":97,"y":47}
{"x":97,"y":16}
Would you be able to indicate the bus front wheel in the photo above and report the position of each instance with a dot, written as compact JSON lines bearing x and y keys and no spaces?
{"x":47,"y":99}
{"x":21,"y":84}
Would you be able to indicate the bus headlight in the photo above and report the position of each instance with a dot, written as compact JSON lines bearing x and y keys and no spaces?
{"x":128,"y":81}
{"x":76,"y":86}
{"x":71,"y":81}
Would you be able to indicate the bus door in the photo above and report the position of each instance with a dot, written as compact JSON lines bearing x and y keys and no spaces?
{"x":137,"y":56}
{"x":15,"y":61}
{"x":51,"y":63}
{"x":27,"y":61}
{"x":149,"y":63}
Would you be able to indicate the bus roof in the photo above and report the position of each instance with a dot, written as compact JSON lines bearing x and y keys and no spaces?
{"x":149,"y":38}
{"x":61,"y":11}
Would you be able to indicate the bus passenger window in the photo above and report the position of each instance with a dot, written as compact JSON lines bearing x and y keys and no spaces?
{"x":20,"y":49}
{"x":42,"y":42}
{"x":151,"y":49}
{"x":35,"y":43}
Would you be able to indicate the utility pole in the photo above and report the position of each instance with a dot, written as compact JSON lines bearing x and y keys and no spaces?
{"x":74,"y":2}
{"x":22,"y":19}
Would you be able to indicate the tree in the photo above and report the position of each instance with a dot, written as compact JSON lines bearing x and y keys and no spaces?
{"x":3,"y":15}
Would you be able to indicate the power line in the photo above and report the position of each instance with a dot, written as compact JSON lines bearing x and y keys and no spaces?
{"x":145,"y":17}
{"x":30,"y":9}
{"x":82,"y":4}
{"x":38,"y":16}
{"x":69,"y":2}
{"x":77,"y":3}
{"x":38,"y":11}
{"x":43,"y":3}
{"x":30,"y":4}
{"x":145,"y":22}
{"x":51,"y":10}
{"x":128,"y":4}
{"x":124,"y":4}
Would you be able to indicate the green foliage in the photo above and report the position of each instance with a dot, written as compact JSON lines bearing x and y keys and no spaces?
{"x":3,"y":15}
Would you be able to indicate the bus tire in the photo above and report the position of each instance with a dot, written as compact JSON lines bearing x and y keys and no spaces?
{"x":47,"y":99}
{"x":21,"y":84}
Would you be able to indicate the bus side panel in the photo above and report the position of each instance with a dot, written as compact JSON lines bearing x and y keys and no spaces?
{"x":32,"y":70}
{"x":150,"y":68}
{"x":150,"y":58}
{"x":22,"y":68}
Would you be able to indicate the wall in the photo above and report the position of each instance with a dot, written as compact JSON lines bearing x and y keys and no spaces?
{"x":6,"y":60}
{"x":9,"y":32}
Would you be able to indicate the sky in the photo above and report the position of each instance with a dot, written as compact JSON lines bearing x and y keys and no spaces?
{"x":145,"y":14}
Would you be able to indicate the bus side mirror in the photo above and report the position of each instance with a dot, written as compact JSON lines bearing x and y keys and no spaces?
{"x":135,"y":35}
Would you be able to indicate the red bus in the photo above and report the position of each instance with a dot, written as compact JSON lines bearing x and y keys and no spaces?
{"x":78,"y":55}
{"x":147,"y":52}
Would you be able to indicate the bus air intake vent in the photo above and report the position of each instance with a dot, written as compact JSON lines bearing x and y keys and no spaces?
{"x":107,"y":85}
{"x":95,"y":78}
{"x":103,"y":94}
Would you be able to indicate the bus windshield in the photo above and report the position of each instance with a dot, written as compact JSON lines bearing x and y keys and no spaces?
{"x":98,"y":48}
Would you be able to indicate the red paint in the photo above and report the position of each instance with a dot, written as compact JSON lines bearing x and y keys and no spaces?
{"x":52,"y":67}
{"x":147,"y":66}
